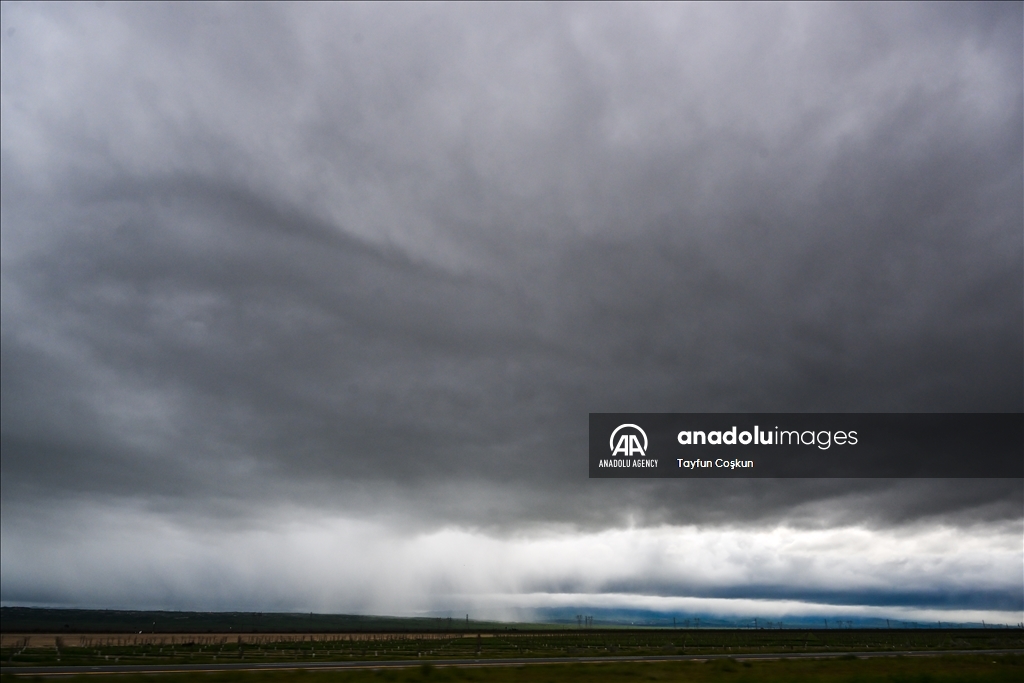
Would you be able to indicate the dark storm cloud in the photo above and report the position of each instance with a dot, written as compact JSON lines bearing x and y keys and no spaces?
{"x":249,"y":250}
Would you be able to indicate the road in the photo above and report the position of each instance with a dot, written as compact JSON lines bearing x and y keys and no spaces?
{"x":405,"y":663}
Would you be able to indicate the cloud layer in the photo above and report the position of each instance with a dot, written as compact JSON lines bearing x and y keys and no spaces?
{"x":344,"y":565}
{"x":380,"y":263}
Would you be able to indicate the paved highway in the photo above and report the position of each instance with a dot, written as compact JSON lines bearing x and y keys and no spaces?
{"x":405,"y":663}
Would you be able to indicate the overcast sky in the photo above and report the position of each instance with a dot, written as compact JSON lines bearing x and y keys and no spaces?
{"x":305,"y":306}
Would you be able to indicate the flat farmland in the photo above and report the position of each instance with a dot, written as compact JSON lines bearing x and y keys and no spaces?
{"x":92,"y":640}
{"x":95,"y":649}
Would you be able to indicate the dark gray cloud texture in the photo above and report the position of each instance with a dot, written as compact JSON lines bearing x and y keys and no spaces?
{"x":382,"y":261}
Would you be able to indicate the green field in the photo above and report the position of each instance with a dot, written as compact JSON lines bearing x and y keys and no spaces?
{"x":90,"y":638}
{"x":941,"y":669}
{"x":314,"y":648}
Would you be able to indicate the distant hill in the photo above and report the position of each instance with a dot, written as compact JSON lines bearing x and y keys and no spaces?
{"x":40,"y":620}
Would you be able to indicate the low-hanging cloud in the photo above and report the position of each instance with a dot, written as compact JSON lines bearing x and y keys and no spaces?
{"x":338,"y":564}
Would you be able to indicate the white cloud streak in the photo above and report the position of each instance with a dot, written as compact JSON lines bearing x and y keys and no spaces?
{"x":109,"y":556}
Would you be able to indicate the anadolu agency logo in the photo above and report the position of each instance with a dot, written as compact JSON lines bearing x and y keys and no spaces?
{"x":628,"y":444}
